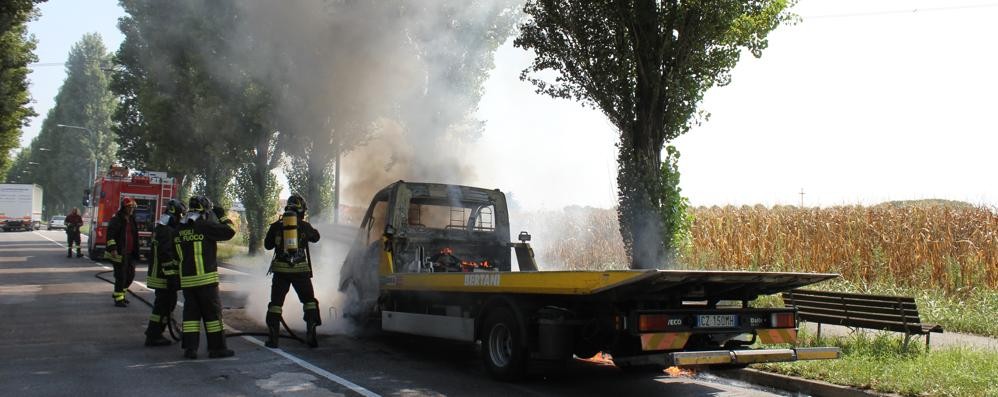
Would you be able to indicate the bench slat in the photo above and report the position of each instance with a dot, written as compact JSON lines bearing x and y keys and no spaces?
{"x":871,"y":324}
{"x":851,"y":301}
{"x":894,"y":317}
{"x":851,"y":295}
{"x":851,"y":307}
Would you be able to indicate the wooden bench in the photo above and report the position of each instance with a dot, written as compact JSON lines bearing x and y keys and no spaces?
{"x":879,"y":312}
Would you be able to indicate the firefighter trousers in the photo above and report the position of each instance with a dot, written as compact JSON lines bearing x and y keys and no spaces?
{"x":202,"y":305}
{"x":162,"y":309}
{"x":306,"y":294}
{"x":73,"y":237}
{"x":124,"y":274}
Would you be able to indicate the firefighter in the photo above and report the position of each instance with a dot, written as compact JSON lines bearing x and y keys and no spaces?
{"x":73,"y":223}
{"x":292,"y":267}
{"x":196,"y":244}
{"x":123,"y":248}
{"x":164,"y":272}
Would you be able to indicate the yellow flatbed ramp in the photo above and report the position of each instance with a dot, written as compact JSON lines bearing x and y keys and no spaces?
{"x":706,"y":284}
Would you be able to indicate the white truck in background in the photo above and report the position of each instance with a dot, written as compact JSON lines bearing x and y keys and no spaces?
{"x":20,"y":207}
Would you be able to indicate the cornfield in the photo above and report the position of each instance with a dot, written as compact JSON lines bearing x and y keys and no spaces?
{"x":944,"y":246}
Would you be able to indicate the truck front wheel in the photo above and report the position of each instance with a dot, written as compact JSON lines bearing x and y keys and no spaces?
{"x":503,"y":350}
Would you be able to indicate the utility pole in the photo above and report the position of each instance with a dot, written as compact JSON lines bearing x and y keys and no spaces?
{"x":802,"y":197}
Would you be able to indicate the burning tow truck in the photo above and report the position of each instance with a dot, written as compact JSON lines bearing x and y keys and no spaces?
{"x":435,"y":260}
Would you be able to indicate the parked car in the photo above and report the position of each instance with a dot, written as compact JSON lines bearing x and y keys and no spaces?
{"x":57,"y":222}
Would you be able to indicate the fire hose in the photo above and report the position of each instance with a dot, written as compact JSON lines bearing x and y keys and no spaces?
{"x":174,"y":328}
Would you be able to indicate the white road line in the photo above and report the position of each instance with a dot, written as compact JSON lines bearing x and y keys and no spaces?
{"x":311,"y":367}
{"x":46,"y":237}
{"x":143,"y":285}
{"x":300,"y":362}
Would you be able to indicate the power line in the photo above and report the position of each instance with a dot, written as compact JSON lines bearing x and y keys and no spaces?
{"x":912,"y":11}
{"x":44,"y":64}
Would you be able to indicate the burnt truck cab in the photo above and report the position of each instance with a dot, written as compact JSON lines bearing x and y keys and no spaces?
{"x":430,"y":228}
{"x":436,"y":260}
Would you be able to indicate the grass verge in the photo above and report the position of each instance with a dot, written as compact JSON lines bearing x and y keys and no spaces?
{"x":878,"y":362}
{"x":228,"y":251}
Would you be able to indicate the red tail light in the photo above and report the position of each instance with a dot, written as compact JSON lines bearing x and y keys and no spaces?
{"x":783,"y":320}
{"x":652,"y":322}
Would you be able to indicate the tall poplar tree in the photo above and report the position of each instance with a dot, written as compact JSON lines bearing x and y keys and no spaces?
{"x":62,"y":158}
{"x":646,"y":65}
{"x":16,"y":47}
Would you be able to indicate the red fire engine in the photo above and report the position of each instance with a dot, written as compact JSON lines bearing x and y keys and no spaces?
{"x":151,"y":190}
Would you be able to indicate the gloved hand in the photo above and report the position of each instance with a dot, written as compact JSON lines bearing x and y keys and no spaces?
{"x":111,"y":254}
{"x":312,"y":235}
{"x":219,"y":212}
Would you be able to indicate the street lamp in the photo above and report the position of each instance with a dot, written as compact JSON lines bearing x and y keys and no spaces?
{"x":93,"y":151}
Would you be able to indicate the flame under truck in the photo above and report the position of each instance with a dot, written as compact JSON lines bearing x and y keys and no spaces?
{"x":151,"y":190}
{"x":435,"y":260}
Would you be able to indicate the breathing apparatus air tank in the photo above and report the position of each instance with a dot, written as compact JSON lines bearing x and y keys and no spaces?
{"x":290,"y":232}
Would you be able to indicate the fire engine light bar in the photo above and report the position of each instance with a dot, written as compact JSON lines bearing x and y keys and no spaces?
{"x":783,"y":320}
{"x":652,"y":322}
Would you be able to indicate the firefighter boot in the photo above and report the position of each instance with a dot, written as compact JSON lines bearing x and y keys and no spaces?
{"x":273,"y":335}
{"x":154,"y":335}
{"x":273,"y":326}
{"x":310,"y":337}
{"x":78,"y":253}
{"x":312,"y":320}
{"x":189,"y":341}
{"x":69,"y":254}
{"x":216,"y":346}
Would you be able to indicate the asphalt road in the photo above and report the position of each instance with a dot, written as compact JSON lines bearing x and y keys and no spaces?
{"x":61,"y":335}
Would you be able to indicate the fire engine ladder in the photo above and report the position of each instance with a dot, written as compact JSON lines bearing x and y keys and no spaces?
{"x":165,"y":194}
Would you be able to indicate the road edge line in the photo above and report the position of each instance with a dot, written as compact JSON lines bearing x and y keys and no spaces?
{"x":311,"y":367}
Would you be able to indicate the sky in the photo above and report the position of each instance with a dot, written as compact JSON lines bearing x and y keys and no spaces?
{"x":862,"y":101}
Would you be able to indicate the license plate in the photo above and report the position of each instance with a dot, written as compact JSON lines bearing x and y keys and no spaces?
{"x":716,"y":320}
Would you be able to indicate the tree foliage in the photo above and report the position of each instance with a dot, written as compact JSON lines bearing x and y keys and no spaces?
{"x":62,"y":159}
{"x":222,"y":89}
{"x":179,"y":112}
{"x":16,"y":47}
{"x":646,"y":65}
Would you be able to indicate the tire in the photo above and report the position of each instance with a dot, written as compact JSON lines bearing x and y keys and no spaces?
{"x":503,"y":349}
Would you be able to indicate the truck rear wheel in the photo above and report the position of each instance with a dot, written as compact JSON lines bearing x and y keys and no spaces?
{"x":503,"y":350}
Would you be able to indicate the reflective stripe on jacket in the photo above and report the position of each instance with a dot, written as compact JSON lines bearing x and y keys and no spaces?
{"x":287,"y":264}
{"x":197,"y":248}
{"x":164,"y":262}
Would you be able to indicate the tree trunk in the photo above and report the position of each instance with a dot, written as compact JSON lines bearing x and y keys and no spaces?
{"x":639,"y":182}
{"x":318,"y":188}
{"x":258,"y":191}
{"x":255,"y":206}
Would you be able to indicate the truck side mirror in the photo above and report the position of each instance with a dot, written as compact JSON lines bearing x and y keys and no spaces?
{"x":523,"y":237}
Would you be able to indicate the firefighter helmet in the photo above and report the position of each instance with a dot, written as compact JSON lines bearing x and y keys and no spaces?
{"x":297,"y":203}
{"x":128,"y":202}
{"x":175,"y":208}
{"x":199,"y":203}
